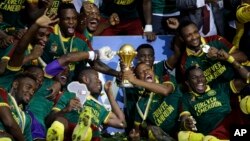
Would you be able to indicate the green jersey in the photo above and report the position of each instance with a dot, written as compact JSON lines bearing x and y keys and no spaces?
{"x":164,"y":6}
{"x":39,"y":100}
{"x":5,"y":53}
{"x":162,"y":72}
{"x":214,"y":70}
{"x":163,"y":110}
{"x":210,"y":108}
{"x":7,"y":28}
{"x":22,"y":119}
{"x":8,"y":76}
{"x":100,"y":113}
{"x":11,"y":11}
{"x":58,"y":46}
{"x":131,"y":94}
{"x":162,"y":75}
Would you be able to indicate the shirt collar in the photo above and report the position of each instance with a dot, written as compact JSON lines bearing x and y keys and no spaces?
{"x":193,"y":53}
{"x":197,"y":95}
{"x":57,"y":30}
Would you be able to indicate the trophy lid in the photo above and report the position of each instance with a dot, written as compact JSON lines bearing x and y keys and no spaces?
{"x":127,"y":49}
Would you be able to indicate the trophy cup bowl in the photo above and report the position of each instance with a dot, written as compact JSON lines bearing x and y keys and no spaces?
{"x":127,"y":54}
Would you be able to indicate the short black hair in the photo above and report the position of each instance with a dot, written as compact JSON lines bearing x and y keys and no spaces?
{"x":83,"y":72}
{"x":82,"y":10}
{"x":23,"y":75}
{"x":136,"y":67}
{"x":245,"y":91}
{"x":145,"y":46}
{"x":64,"y":6}
{"x":188,"y":70}
{"x":183,"y":24}
{"x":31,"y":67}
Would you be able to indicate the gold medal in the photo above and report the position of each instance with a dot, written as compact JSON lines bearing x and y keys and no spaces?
{"x":144,"y":124}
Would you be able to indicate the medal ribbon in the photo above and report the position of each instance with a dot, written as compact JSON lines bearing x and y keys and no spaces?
{"x":19,"y":112}
{"x":144,"y":116}
{"x":61,"y":41}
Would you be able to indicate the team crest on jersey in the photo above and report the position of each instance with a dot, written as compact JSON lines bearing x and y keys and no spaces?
{"x":211,"y":93}
{"x":53,"y":48}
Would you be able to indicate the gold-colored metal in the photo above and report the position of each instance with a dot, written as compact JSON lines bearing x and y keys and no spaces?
{"x":127,"y":54}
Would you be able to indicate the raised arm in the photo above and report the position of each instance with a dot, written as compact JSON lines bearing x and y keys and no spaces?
{"x":244,"y":73}
{"x":7,"y":119}
{"x":103,"y":68}
{"x":18,"y":55}
{"x":116,"y":118}
{"x":163,"y":89}
{"x":147,"y":11}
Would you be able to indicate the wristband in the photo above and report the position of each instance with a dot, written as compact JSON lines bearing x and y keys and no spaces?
{"x":230,"y":59}
{"x":248,"y":77}
{"x":91,"y":55}
{"x":148,"y":28}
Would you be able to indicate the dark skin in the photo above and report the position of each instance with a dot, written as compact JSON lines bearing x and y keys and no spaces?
{"x":70,"y":21}
{"x":65,"y":60}
{"x":148,"y":18}
{"x":196,"y":76}
{"x":10,"y":124}
{"x":43,"y":21}
{"x":142,"y":72}
{"x":90,"y":15}
{"x":90,"y":78}
{"x":34,"y":12}
{"x":22,"y":90}
{"x":190,"y":35}
{"x":38,"y":42}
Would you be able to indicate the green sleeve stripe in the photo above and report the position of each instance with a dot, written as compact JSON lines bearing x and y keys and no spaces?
{"x":232,"y":50}
{"x":13,"y":68}
{"x":169,"y":82}
{"x":233,"y":88}
{"x":3,"y":104}
{"x":5,"y":139}
{"x":137,"y":123}
{"x":56,"y":109}
{"x":47,"y":75}
{"x":107,"y":118}
{"x":5,"y":58}
{"x":184,"y":113}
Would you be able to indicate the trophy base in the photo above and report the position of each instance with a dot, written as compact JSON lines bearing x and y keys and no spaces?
{"x":126,"y":85}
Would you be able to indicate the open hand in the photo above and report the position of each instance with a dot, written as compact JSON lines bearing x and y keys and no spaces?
{"x":106,"y":53}
{"x":74,"y":104}
{"x":47,"y":20}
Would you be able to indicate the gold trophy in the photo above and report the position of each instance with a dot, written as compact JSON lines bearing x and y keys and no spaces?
{"x":127,"y":53}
